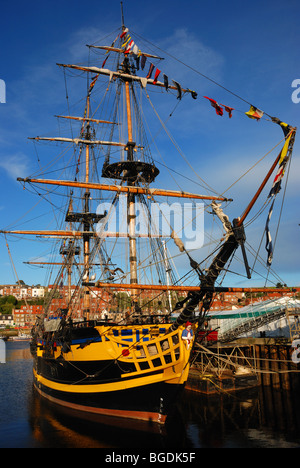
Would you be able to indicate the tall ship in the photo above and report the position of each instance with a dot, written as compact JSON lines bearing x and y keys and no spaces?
{"x":122,"y":342}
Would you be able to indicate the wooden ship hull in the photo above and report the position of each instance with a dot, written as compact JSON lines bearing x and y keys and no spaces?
{"x":130,"y":369}
{"x":132,"y":372}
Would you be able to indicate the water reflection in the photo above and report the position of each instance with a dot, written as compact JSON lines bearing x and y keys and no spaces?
{"x":18,"y":351}
{"x":54,"y":426}
{"x":261,"y":417}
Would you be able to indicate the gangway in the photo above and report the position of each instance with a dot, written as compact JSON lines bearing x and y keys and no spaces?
{"x":246,"y":319}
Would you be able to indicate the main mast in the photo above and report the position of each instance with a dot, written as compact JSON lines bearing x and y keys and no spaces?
{"x":86,"y":224}
{"x":131,"y":196}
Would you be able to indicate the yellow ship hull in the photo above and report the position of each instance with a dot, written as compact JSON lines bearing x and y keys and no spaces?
{"x":122,"y":371}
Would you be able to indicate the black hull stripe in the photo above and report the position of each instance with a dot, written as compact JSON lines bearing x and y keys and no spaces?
{"x":97,"y":372}
{"x":149,"y":403}
{"x":139,"y":415}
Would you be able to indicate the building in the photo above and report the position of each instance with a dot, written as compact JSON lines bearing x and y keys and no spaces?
{"x":25,"y":317}
{"x":22,"y":291}
{"x":99,"y":300}
{"x":6,"y":321}
{"x":11,"y":290}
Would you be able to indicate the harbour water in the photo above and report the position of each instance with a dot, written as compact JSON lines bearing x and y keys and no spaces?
{"x":260,"y":418}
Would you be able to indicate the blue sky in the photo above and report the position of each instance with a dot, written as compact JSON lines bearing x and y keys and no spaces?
{"x":251,"y":49}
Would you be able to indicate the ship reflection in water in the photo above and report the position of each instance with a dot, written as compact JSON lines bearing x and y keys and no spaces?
{"x":58,"y":427}
{"x":260,"y":418}
{"x":254,"y":419}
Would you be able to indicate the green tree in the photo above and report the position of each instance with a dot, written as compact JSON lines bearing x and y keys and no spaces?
{"x":7,"y":303}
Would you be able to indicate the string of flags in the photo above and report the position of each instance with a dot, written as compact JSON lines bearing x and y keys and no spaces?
{"x":254,"y":113}
{"x":219,"y":108}
{"x":289,"y":133}
{"x":131,"y":47}
{"x":285,"y":154}
{"x":140,"y":59}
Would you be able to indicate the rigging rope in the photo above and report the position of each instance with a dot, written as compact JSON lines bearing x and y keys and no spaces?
{"x":13,"y":265}
{"x":177,"y":147}
{"x":252,"y":167}
{"x":281,"y":208}
{"x":199,"y":73}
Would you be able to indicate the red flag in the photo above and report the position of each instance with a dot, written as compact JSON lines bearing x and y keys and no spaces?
{"x":228,"y":109}
{"x":156,"y":76}
{"x":214,"y":104}
{"x":129,"y":46}
{"x":124,"y":33}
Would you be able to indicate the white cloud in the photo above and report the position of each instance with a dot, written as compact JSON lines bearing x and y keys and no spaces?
{"x":76,"y":45}
{"x":15,"y":166}
{"x":186,"y":48}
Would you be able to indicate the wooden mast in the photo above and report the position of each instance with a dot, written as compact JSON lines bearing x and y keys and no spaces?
{"x":264,"y":182}
{"x":70,"y":254}
{"x":165,"y":287}
{"x":126,"y":189}
{"x":121,"y":74}
{"x":131,"y":199}
{"x":130,"y":196}
{"x":86,"y":224}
